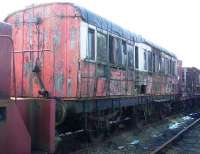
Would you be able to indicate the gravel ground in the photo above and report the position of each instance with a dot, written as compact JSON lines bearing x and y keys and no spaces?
{"x":142,"y":140}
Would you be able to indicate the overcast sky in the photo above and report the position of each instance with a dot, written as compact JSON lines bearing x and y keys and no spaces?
{"x":172,"y":24}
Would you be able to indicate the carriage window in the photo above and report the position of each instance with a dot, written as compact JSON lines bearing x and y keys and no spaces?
{"x":157,"y":63}
{"x":162,"y":65}
{"x":124,"y":53}
{"x":118,"y":51}
{"x":136,"y":57}
{"x":145,"y":60}
{"x":130,"y":56}
{"x":91,"y":45}
{"x":150,"y":61}
{"x":101,"y":47}
{"x":115,"y":51}
{"x":154,"y":62}
{"x":111,"y":51}
{"x":173,"y":68}
{"x":165,"y":65}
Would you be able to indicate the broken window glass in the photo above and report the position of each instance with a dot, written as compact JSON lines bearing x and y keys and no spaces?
{"x":115,"y":50}
{"x":91,"y":44}
{"x":101,"y":47}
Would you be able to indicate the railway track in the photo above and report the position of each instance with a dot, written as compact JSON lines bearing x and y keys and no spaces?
{"x":176,"y":138}
{"x":157,"y":138}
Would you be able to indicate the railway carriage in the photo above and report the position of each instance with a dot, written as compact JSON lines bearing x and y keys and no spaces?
{"x":92,"y":72}
{"x":66,"y":51}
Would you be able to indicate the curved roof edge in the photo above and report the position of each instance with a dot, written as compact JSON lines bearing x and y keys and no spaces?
{"x":107,"y":25}
{"x":102,"y":23}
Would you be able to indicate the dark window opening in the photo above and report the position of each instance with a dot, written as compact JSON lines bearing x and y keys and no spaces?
{"x":150,"y":61}
{"x":101,"y":47}
{"x":143,"y":89}
{"x":91,"y":44}
{"x":2,"y":114}
{"x":136,"y":57}
{"x":111,"y":51}
{"x":154,"y":62}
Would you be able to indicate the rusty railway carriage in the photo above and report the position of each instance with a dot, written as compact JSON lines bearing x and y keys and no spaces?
{"x":84,"y":70}
{"x":66,"y":51}
{"x":190,"y":81}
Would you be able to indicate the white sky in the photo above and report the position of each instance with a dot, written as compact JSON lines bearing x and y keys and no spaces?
{"x":172,"y":24}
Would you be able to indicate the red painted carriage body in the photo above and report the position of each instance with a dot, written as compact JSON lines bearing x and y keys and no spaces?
{"x":42,"y":36}
{"x":5,"y":58}
{"x":49,"y":36}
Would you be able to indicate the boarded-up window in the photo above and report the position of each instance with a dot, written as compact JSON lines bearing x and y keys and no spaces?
{"x":91,"y":45}
{"x":73,"y":32}
{"x":130,"y":51}
{"x":136,"y":57}
{"x":101,"y":47}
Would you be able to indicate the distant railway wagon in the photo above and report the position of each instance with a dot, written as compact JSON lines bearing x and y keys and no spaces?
{"x":71,"y":71}
{"x":190,"y":80}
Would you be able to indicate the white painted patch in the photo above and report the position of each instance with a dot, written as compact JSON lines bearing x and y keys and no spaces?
{"x":83,"y":39}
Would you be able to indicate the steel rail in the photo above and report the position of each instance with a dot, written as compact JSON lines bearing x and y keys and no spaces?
{"x":160,"y":148}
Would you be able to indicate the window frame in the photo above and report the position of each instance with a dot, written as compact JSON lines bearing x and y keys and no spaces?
{"x":94,"y":30}
{"x":136,"y":66}
{"x":121,"y":40}
{"x":133,"y":52}
{"x":103,"y":32}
